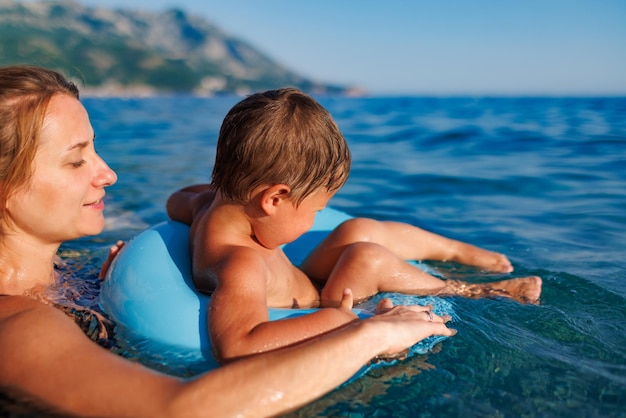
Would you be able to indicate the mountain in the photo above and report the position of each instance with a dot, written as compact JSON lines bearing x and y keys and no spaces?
{"x":133,"y":52}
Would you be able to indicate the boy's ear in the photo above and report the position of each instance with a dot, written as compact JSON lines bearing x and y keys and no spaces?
{"x":273,"y":197}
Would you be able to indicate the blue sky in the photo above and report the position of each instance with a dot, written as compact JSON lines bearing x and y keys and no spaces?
{"x":440,"y":47}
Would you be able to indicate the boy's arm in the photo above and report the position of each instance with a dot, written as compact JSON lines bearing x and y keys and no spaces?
{"x":184,"y":204}
{"x":238,"y":314}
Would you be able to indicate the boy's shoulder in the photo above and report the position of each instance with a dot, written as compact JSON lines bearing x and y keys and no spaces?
{"x":223,"y":234}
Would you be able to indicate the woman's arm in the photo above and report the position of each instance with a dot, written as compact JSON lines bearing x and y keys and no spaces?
{"x":45,"y":355}
{"x":289,"y":378}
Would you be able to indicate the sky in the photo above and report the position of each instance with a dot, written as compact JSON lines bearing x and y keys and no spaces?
{"x":431,"y":47}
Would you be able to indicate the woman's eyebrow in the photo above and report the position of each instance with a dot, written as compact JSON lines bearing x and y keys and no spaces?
{"x":78,"y":145}
{"x":81,"y":144}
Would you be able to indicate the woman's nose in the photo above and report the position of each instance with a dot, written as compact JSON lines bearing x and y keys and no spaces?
{"x":105,"y":175}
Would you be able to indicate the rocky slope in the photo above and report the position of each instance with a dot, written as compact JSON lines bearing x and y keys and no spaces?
{"x":131,"y":52}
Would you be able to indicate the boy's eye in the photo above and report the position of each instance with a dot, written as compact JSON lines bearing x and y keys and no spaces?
{"x":78,"y":164}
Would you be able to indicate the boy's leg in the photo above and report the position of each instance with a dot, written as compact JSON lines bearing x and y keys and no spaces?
{"x":405,"y":241}
{"x":369,"y":268}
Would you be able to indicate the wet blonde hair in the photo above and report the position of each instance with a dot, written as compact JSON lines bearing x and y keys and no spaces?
{"x":25,"y":92}
{"x":279,"y":137}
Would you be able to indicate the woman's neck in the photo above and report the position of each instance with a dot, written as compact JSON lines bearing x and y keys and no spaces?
{"x":25,"y":265}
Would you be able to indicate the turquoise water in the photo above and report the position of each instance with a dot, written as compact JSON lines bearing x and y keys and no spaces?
{"x":541,"y":180}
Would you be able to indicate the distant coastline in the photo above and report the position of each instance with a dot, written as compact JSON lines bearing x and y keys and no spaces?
{"x":133,"y":53}
{"x":142,"y":91}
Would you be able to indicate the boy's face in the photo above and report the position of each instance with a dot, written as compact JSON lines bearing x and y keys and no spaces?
{"x":295,"y":221}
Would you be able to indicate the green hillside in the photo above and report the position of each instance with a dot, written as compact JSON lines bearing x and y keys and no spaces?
{"x":128,"y":51}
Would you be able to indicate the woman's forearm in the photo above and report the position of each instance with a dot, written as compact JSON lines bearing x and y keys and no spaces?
{"x":282,"y":380}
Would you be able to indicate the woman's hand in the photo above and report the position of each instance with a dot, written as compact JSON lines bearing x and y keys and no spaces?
{"x":113,"y":251}
{"x":424,"y":323}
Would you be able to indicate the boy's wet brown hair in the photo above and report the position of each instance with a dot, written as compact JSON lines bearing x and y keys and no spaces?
{"x":279,"y":137}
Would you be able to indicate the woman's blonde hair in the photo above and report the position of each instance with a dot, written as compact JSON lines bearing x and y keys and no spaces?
{"x":25,"y":92}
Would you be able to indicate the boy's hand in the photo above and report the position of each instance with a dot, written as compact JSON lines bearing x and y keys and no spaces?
{"x":347,"y":300}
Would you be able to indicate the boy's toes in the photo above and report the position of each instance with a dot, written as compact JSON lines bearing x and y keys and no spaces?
{"x":499,"y":264}
{"x":533,"y":289}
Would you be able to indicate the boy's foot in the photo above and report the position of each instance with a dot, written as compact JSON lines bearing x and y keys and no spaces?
{"x":523,"y":289}
{"x":483,"y":259}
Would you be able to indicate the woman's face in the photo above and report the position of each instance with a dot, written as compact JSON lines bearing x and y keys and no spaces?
{"x":63,"y":200}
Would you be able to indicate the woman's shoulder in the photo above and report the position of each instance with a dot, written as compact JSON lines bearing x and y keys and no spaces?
{"x":26,"y":321}
{"x":21,"y":314}
{"x":29,"y":330}
{"x":12,"y":305}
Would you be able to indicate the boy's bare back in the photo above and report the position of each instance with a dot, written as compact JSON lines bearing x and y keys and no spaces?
{"x":223,"y":242}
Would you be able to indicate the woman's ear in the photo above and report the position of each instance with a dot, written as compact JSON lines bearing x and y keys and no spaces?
{"x":273,"y":197}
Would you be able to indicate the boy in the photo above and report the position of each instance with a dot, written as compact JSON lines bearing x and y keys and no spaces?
{"x":280,"y":159}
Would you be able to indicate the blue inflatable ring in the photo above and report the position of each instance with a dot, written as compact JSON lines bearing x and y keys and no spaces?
{"x":148,"y":288}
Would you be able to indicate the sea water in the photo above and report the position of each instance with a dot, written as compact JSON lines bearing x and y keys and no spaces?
{"x":540,"y":179}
